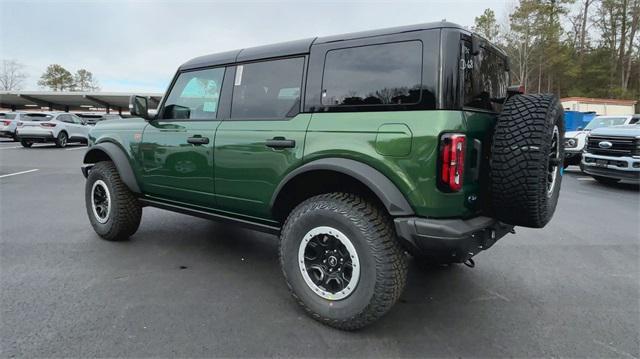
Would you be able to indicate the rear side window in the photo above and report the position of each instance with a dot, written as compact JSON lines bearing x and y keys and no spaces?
{"x":387,"y":74}
{"x":65,"y":118}
{"x":195,"y":95}
{"x":267,"y":90}
{"x":485,"y":77}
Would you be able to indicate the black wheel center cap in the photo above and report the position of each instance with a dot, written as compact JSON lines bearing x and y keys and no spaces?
{"x":333,"y":261}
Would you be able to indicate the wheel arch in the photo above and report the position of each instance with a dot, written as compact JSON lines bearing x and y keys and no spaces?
{"x":108,"y":151}
{"x":337,"y":174}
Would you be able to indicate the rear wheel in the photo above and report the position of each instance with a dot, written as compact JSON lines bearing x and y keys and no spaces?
{"x":113,"y":210}
{"x":526,"y":160}
{"x":26,"y":143}
{"x":62,"y":139}
{"x":606,"y":180}
{"x":341,"y":260}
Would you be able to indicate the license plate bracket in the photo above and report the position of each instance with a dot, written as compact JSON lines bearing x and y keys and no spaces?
{"x":601,"y":163}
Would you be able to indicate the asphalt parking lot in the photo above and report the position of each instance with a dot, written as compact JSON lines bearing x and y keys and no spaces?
{"x":188,"y":287}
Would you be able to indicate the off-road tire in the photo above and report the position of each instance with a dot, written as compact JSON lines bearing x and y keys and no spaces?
{"x":26,"y":144}
{"x":520,"y":161}
{"x":606,"y":180}
{"x":383,"y":263}
{"x":126,"y":212}
{"x":62,"y":139}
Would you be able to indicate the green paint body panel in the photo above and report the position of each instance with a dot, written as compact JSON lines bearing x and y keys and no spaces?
{"x":237,"y":174}
{"x":175,"y":169}
{"x":125,"y":133}
{"x":357,"y":136}
{"x":247,"y":171}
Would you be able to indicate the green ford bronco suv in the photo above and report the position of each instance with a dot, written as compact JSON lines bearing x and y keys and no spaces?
{"x":356,"y":149}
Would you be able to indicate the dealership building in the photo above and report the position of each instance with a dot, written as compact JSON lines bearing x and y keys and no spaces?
{"x":601,"y":107}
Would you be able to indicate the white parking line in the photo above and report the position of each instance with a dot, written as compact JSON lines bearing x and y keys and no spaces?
{"x":8,"y":148}
{"x":18,"y":173}
{"x":586,"y":179}
{"x":76,"y":148}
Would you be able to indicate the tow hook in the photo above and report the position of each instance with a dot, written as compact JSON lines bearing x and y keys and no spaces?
{"x":470,"y":263}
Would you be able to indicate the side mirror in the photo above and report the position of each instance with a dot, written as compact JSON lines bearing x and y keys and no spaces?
{"x":139,"y":106}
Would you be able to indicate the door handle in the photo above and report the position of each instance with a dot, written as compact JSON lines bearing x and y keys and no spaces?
{"x":280,"y":142}
{"x":198,"y":140}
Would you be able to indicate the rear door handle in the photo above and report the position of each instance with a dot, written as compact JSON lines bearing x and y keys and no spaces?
{"x":280,"y":142}
{"x":198,"y":140}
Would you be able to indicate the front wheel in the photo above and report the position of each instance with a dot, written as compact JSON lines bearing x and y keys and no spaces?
{"x":26,"y":144}
{"x":341,"y":260}
{"x":113,"y":210}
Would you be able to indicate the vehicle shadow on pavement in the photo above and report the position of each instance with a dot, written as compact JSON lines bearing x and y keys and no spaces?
{"x":438,"y":293}
{"x":575,"y":173}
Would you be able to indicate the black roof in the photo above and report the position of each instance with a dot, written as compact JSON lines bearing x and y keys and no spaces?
{"x":302,"y":46}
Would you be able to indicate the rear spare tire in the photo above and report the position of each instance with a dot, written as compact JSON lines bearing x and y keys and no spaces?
{"x":526,"y":160}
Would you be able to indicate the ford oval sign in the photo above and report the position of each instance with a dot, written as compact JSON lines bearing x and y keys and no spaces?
{"x":605,"y":144}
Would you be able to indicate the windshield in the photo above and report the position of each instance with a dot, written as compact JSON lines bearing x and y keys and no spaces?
{"x":8,"y":116}
{"x":605,"y":122}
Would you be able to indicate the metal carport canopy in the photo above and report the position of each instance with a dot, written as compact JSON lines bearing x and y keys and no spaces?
{"x":71,"y":101}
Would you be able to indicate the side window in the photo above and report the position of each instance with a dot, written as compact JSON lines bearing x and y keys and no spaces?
{"x":387,"y":74}
{"x":65,"y":118}
{"x":485,"y":77}
{"x":75,"y":119}
{"x":194,"y":95}
{"x":267,"y":90}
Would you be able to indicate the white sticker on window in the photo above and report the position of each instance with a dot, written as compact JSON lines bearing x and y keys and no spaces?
{"x":239,"y":75}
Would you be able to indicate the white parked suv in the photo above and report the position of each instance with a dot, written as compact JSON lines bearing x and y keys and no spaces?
{"x":60,"y":128}
{"x":575,"y":141}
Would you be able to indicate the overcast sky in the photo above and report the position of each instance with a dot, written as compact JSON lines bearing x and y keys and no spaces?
{"x":137,"y":45}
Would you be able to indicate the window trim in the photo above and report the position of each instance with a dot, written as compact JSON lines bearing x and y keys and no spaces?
{"x":160,"y":113}
{"x":305,"y":65}
{"x":324,"y":66}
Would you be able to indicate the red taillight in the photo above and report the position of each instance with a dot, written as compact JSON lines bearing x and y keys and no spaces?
{"x":6,"y":123}
{"x":452,"y":150}
{"x":48,"y":124}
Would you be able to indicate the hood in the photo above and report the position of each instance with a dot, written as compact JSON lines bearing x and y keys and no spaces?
{"x":624,"y":131}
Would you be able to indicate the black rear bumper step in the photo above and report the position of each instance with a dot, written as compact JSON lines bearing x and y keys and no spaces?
{"x":453,"y":239}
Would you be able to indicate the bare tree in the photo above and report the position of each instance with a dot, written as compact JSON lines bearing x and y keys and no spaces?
{"x":12,"y":75}
{"x":84,"y":81}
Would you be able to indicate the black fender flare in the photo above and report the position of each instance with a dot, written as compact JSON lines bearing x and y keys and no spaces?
{"x":388,"y":193}
{"x":119,"y":158}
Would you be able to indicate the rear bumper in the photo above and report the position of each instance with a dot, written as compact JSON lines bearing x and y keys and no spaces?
{"x":36,"y":137}
{"x":454,"y":240}
{"x":7,"y":133}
